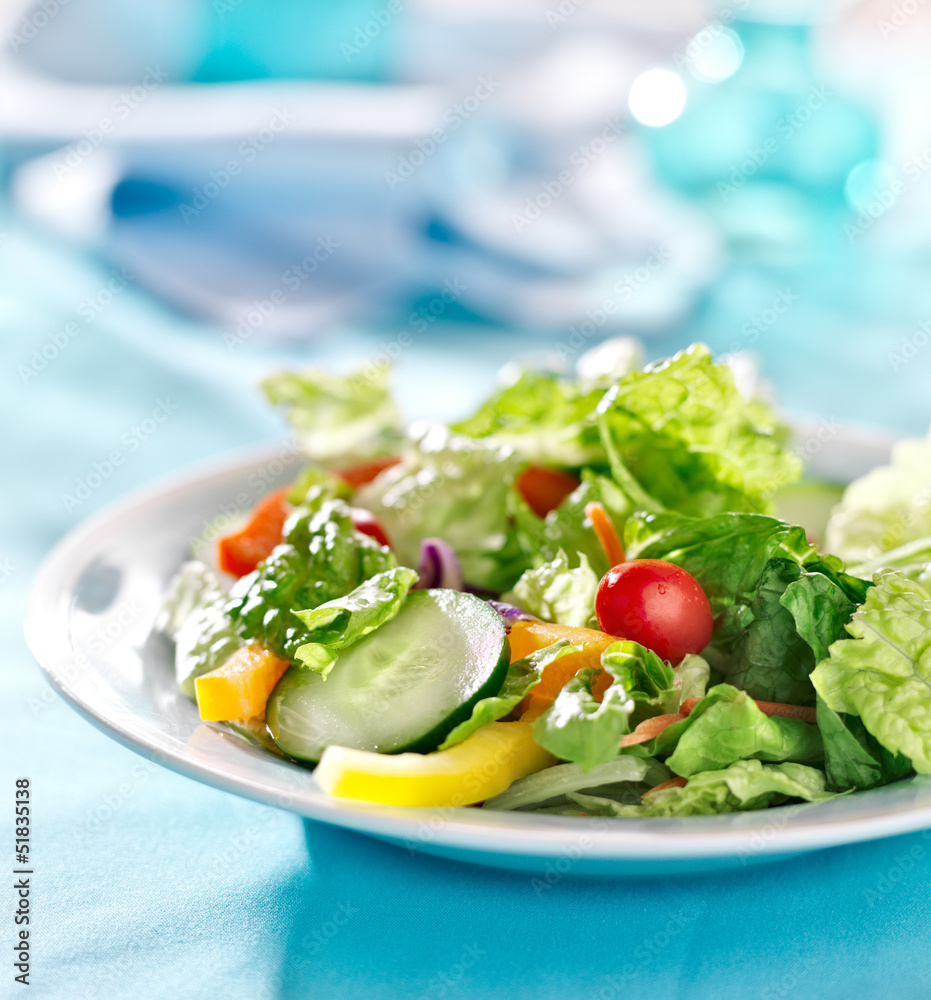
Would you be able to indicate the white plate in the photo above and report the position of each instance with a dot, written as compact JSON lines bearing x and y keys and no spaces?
{"x":90,"y":627}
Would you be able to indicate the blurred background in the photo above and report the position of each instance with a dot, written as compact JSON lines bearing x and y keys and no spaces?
{"x":226,"y":186}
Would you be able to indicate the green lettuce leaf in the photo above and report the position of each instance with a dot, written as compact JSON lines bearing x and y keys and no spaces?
{"x":452,"y":487}
{"x":778,"y":603}
{"x":852,"y":757}
{"x":339,"y":623}
{"x":557,"y":593}
{"x":563,"y":779}
{"x":649,"y":681}
{"x":522,"y":677}
{"x":193,"y":615}
{"x":321,"y":558}
{"x":685,"y":436}
{"x":544,"y":418}
{"x":693,"y":675}
{"x":884,"y":518}
{"x":745,"y":785}
{"x":733,"y":728}
{"x":579,"y":729}
{"x":335,"y":418}
{"x":567,"y":529}
{"x":882,"y":673}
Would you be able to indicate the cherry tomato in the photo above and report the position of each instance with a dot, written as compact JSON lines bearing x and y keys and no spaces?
{"x":656,"y":604}
{"x":366,"y":522}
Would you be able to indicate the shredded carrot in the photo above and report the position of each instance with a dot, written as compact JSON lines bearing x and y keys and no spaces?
{"x":649,"y":728}
{"x":802,"y":712}
{"x":672,"y":783}
{"x":604,"y":529}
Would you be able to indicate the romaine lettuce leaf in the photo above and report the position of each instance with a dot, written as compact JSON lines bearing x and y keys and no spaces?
{"x":778,"y":603}
{"x":455,"y":488}
{"x":193,"y":615}
{"x":852,"y":757}
{"x":563,"y":779}
{"x":882,"y":672}
{"x":322,"y":557}
{"x":338,"y":419}
{"x":557,"y":593}
{"x":339,"y":623}
{"x":688,"y":439}
{"x":544,"y":418}
{"x":648,"y":680}
{"x":692,"y":676}
{"x":579,"y":729}
{"x":887,"y":508}
{"x":733,"y":728}
{"x":745,"y":785}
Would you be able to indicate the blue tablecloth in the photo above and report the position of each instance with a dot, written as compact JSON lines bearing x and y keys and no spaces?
{"x":149,"y":885}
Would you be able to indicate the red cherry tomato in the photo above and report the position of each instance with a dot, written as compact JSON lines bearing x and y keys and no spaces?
{"x":366,"y":522}
{"x":656,"y":604}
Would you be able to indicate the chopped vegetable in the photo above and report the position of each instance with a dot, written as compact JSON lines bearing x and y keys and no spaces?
{"x":604,"y":529}
{"x":544,"y":489}
{"x":240,"y":687}
{"x":239,"y":553}
{"x":480,"y":767}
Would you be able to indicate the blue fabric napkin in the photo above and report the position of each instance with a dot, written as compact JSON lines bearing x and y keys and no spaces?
{"x":147,"y":884}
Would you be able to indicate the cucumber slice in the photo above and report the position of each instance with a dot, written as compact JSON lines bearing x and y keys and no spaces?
{"x":403,"y":687}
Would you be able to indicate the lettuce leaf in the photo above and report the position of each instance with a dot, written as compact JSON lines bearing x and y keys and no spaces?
{"x":852,"y":757}
{"x":335,"y":418}
{"x":557,"y":593}
{"x":339,"y":623}
{"x":778,"y":603}
{"x":579,"y":729}
{"x":692,"y":677}
{"x":522,"y":677}
{"x":563,"y":779}
{"x":195,"y":585}
{"x":321,"y":558}
{"x":544,"y":418}
{"x":567,"y":529}
{"x":744,"y":785}
{"x":888,"y":508}
{"x":687,"y":438}
{"x":452,"y":487}
{"x":882,"y":672}
{"x":733,"y":728}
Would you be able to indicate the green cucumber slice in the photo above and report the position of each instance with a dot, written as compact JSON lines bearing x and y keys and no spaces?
{"x":403,"y":687}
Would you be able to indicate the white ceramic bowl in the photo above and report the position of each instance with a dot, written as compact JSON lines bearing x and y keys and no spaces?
{"x":90,"y":627}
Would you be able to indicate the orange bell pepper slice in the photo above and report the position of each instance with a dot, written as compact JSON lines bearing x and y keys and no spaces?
{"x":239,"y":688}
{"x":240,"y":552}
{"x":545,"y":489}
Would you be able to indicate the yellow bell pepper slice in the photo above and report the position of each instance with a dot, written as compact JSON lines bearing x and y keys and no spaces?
{"x":482,"y":765}
{"x":239,"y":688}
